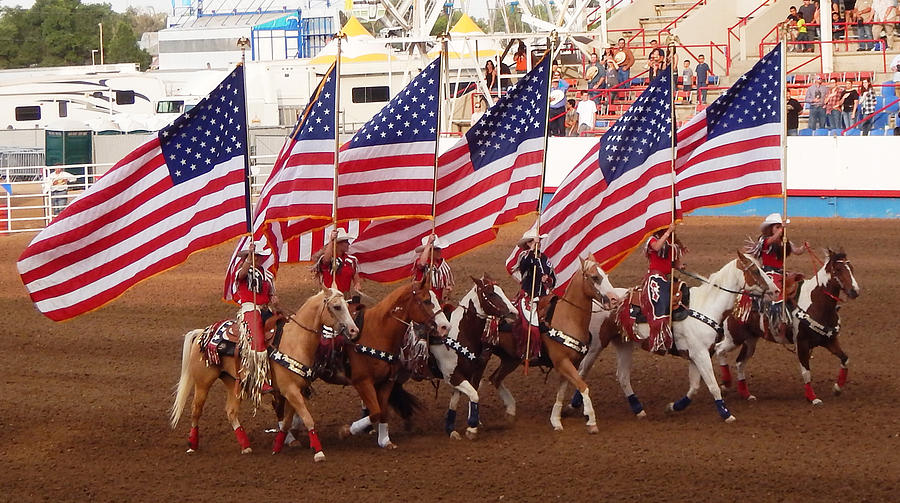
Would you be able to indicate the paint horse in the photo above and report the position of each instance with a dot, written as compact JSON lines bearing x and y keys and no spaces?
{"x":292,"y":372}
{"x":693,"y":336}
{"x":565,"y":344}
{"x":814,"y":322}
{"x":374,"y":359}
{"x":462,"y":355}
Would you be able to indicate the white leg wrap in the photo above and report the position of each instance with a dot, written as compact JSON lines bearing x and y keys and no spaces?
{"x":296,"y":423}
{"x":555,"y":415}
{"x":289,"y":438}
{"x":588,"y":407}
{"x":383,"y":438}
{"x":360,"y":425}
{"x":805,"y":374}
{"x":508,"y":400}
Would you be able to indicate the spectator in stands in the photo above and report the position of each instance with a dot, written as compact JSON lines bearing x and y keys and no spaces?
{"x":703,"y":73}
{"x":803,"y":36}
{"x":885,"y":15}
{"x":687,"y":76}
{"x":594,"y":73}
{"x":612,"y":75}
{"x":848,"y":106}
{"x":863,"y":14}
{"x":815,"y":100}
{"x":479,"y":107}
{"x":521,"y":58}
{"x":625,"y":64}
{"x":833,"y":105}
{"x":867,"y":106}
{"x":571,"y":118}
{"x":587,"y":113}
{"x":807,"y":13}
{"x":56,"y":184}
{"x":791,"y":28}
{"x":793,"y":115}
{"x":490,"y":75}
{"x":837,"y":29}
{"x":655,"y":63}
{"x":558,"y":107}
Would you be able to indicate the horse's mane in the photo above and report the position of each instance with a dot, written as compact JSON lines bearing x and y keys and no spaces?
{"x":391,"y":300}
{"x":700,"y":293}
{"x":834,"y":256}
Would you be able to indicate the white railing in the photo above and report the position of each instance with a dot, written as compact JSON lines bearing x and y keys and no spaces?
{"x":26,"y":207}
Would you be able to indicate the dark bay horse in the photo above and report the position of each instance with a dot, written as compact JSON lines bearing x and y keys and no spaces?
{"x":374,"y":360}
{"x":200,"y":369}
{"x":462,"y":356}
{"x":566,"y":344}
{"x":814,"y":323}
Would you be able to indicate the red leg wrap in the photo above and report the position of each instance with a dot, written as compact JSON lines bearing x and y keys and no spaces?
{"x":810,"y":394}
{"x":314,"y":443}
{"x":194,"y":438}
{"x":257,"y":336}
{"x":726,"y":375}
{"x":742,"y":388}
{"x":242,"y":437}
{"x":279,"y":442}
{"x":842,"y":377}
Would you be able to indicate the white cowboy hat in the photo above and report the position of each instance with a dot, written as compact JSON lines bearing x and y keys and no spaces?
{"x":439,"y":244}
{"x":343,"y":235}
{"x":619,"y":57}
{"x":774,"y":218}
{"x":529,"y":236}
{"x":591,"y":72}
{"x":259,"y":251}
{"x":557,"y":97}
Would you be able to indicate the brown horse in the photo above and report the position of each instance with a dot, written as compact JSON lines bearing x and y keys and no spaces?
{"x":565,"y":344}
{"x":294,"y":358}
{"x":814,"y":322}
{"x":374,"y":360}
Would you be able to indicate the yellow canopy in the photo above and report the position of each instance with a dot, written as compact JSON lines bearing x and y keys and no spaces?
{"x":460,"y":49}
{"x":359,"y":47}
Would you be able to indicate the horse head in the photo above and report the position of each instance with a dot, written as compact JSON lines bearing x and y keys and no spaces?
{"x":839,"y":269}
{"x":336,"y":313}
{"x":755,"y":279}
{"x":596,"y":282}
{"x":421,"y":305}
{"x":491,"y":301}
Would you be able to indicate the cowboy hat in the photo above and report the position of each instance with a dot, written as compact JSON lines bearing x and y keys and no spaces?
{"x":343,"y":235}
{"x":619,"y":57}
{"x":529,"y":236}
{"x":439,"y":244}
{"x":591,"y":72}
{"x":774,"y":218}
{"x":259,"y":252}
{"x":557,"y":97}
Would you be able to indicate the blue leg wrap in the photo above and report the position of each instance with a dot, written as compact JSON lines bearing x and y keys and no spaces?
{"x":635,"y":404}
{"x":450,"y":421}
{"x":473,"y":415}
{"x":681,"y":404}
{"x":577,"y":400}
{"x":724,"y":413}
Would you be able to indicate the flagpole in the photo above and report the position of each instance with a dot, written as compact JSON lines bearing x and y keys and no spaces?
{"x":784,"y":101}
{"x":441,"y":74}
{"x":337,"y":150}
{"x":551,"y":42}
{"x":243,"y":43}
{"x":673,"y":86}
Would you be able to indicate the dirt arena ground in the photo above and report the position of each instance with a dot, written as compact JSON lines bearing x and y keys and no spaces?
{"x":83,"y":407}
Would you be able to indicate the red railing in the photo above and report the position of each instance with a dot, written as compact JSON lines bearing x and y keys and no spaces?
{"x":742,"y":22}
{"x":818,"y":57}
{"x":871,"y":115}
{"x":674,"y":22}
{"x":592,"y":17}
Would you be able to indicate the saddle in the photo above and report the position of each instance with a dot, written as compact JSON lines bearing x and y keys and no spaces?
{"x":629,"y":311}
{"x":531,"y":326}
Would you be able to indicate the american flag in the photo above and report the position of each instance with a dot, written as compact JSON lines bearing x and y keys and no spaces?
{"x":618,"y":193}
{"x":731,"y":151}
{"x":298,"y":196}
{"x":387,"y":168}
{"x":179,"y":193}
{"x":487,"y":179}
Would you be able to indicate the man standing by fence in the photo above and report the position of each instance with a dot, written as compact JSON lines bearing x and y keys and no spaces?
{"x":56,"y":185}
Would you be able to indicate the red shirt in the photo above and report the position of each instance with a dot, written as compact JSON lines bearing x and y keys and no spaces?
{"x":243,"y":293}
{"x":347,"y":268}
{"x":771,"y":256}
{"x":441,"y":277}
{"x":660,"y":261}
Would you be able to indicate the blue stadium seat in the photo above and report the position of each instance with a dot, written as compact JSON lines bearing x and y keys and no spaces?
{"x":806,"y":132}
{"x":879,"y":102}
{"x":876,"y":132}
{"x":889,"y":90}
{"x":713,"y":80}
{"x":833,"y":132}
{"x":853,"y":132}
{"x":789,"y":79}
{"x":820,"y":132}
{"x":880,"y":121}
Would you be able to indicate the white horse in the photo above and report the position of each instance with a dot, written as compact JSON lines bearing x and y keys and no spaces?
{"x":693,"y":336}
{"x":462,"y":356}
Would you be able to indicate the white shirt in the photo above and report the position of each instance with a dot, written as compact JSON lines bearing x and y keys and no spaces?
{"x":58,"y":182}
{"x":587,"y":112}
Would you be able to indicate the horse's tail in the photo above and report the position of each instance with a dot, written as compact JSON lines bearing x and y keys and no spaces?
{"x":183,"y":389}
{"x":403,"y":402}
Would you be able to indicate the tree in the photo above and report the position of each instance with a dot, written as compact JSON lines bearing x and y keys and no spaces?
{"x":123,"y":47}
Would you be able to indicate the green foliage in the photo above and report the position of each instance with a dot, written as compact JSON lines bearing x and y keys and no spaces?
{"x":63,"y":32}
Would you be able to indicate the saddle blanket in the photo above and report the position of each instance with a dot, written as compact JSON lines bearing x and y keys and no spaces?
{"x":216,"y":341}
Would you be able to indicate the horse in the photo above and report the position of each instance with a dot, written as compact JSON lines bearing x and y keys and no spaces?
{"x":565,"y":344}
{"x":462,"y":356}
{"x":294,"y":356}
{"x":693,"y":336}
{"x":374,"y":360}
{"x":814,"y":322}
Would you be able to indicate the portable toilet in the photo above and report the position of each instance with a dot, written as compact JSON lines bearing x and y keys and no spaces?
{"x":69,"y":142}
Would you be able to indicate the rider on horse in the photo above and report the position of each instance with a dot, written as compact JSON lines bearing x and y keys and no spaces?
{"x":537,"y":277}
{"x":254,"y":290}
{"x":346,"y":278}
{"x":656,"y":290}
{"x":430,"y":259}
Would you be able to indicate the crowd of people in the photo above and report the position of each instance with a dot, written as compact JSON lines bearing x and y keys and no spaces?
{"x":835,"y":105}
{"x":870,"y":22}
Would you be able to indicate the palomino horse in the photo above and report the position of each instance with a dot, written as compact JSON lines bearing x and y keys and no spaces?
{"x":815,"y":322}
{"x":462,"y":356}
{"x":566,"y":344}
{"x":297,"y":350}
{"x":693,"y":337}
{"x":374,"y":360}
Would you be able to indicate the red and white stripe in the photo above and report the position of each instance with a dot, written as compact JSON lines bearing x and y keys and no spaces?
{"x":132,"y":224}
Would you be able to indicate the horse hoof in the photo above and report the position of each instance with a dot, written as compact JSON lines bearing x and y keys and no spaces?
{"x":471,"y":433}
{"x":454,"y":435}
{"x":751,"y":398}
{"x":641,"y":415}
{"x":247,"y":450}
{"x":319,"y":457}
{"x":344,"y":432}
{"x":510,"y":418}
{"x":817,"y":402}
{"x":836,"y":389}
{"x":730,"y":419}
{"x":593,"y":429}
{"x":557,"y":427}
{"x":190,"y":451}
{"x":670,"y":407}
{"x":390,"y":446}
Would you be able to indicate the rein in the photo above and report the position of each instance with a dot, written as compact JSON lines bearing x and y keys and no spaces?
{"x":818,"y":264}
{"x":703,"y":279}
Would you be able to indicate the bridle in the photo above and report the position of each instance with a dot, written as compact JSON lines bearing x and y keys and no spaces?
{"x":842,"y":287}
{"x":743,"y":291}
{"x":605,"y":303}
